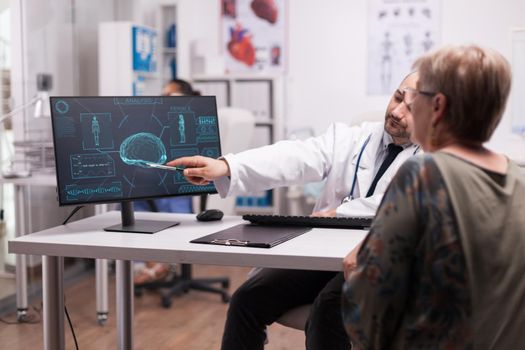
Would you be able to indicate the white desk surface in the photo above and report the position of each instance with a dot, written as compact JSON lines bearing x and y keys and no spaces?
{"x":318,"y":249}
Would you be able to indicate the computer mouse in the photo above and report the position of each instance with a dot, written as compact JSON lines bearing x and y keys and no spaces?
{"x":210,"y":215}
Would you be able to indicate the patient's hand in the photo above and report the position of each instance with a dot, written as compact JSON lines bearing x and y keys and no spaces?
{"x":325,"y":213}
{"x":201,"y":170}
{"x":350,"y":261}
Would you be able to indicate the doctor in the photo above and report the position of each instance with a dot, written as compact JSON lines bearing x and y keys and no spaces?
{"x":357,"y":163}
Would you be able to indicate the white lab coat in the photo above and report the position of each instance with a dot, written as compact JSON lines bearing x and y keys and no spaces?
{"x":331,"y":157}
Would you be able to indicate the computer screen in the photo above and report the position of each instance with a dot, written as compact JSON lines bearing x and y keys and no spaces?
{"x":106,"y":147}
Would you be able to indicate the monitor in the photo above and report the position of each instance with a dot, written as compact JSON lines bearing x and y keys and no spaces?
{"x":106,"y":148}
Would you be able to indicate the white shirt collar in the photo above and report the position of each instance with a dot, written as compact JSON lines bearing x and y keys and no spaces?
{"x":388,"y":139}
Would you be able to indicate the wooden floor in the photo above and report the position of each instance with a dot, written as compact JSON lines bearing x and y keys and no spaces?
{"x":195,"y":321}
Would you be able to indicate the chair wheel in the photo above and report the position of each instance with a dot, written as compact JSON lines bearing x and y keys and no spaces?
{"x":225,"y":284}
{"x":102,"y":318}
{"x":165,"y":302}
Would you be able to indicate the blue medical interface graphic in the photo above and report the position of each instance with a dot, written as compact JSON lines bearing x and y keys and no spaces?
{"x":61,"y":106}
{"x":103,"y":145}
{"x":85,"y":166}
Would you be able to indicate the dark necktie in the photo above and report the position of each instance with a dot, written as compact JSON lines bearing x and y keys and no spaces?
{"x":393,"y":151}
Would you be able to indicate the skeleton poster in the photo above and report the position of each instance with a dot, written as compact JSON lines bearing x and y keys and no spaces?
{"x":399,"y":31}
{"x":254,"y":35}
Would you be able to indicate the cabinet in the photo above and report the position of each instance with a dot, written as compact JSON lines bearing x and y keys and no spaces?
{"x":128,"y":59}
{"x":167,"y":28}
{"x":262,"y":95}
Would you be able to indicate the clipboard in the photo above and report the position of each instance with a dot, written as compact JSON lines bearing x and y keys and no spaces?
{"x":255,"y":236}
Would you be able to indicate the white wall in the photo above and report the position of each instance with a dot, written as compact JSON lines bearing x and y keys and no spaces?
{"x":88,"y":14}
{"x":327,"y":63}
{"x":328,"y":54}
{"x":328,"y":48}
{"x":488,"y":23}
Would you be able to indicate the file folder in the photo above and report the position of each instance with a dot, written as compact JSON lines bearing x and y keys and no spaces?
{"x":248,"y":235}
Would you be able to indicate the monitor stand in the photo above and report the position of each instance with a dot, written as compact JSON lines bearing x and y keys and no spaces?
{"x":129,"y":224}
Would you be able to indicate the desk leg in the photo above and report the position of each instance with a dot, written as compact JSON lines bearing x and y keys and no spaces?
{"x":21,"y":287}
{"x":124,"y":304}
{"x":21,"y":261}
{"x":101,"y":267}
{"x":53,"y":297}
{"x":101,"y":273}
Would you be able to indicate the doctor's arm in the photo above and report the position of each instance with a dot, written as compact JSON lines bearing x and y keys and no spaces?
{"x":281,"y":164}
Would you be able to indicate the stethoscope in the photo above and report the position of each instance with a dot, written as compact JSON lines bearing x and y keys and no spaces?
{"x":350,"y":197}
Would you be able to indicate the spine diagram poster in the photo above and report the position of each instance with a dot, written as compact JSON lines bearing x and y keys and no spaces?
{"x":254,"y":35}
{"x":399,"y":31}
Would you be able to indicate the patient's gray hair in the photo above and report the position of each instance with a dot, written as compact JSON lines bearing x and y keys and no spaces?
{"x":476,"y":82}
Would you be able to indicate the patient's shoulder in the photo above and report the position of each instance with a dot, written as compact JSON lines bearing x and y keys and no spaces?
{"x":418,"y":172}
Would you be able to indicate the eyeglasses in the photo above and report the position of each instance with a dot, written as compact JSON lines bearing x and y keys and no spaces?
{"x":409,"y":95}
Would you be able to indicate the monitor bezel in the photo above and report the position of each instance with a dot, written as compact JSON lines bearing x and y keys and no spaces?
{"x":109,"y":201}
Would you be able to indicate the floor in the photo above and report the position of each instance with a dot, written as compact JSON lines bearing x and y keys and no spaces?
{"x":194,"y":321}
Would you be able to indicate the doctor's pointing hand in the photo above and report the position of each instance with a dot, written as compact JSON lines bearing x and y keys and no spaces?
{"x":202,"y":170}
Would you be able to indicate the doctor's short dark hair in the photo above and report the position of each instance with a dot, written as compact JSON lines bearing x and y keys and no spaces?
{"x":476,"y":82}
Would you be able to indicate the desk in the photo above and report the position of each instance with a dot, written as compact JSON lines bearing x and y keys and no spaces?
{"x":318,"y":249}
{"x":22,"y":211}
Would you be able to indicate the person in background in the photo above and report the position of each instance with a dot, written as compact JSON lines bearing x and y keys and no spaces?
{"x":442,"y":266}
{"x":357,"y":163}
{"x":152,"y":271}
{"x":179,"y":87}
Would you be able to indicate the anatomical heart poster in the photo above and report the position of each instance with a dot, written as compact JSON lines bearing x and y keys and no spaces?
{"x":254,"y":35}
{"x":399,"y":31}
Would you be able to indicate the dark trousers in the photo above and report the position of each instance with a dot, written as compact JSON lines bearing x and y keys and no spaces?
{"x":262,"y":299}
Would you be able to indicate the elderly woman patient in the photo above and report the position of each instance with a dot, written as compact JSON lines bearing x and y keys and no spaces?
{"x":444,"y":263}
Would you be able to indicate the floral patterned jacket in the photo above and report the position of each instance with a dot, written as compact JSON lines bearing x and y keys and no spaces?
{"x":410,"y":289}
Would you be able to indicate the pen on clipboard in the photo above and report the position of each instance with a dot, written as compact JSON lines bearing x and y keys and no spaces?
{"x":239,"y":243}
{"x":165,"y":167}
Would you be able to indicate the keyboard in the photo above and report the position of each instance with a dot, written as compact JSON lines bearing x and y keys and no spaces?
{"x":310,"y":221}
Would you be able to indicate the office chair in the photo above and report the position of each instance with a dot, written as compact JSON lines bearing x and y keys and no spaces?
{"x":178,"y":284}
{"x":185,"y":282}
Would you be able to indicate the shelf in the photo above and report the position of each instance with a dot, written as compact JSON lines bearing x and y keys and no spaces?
{"x":264,"y":122}
{"x":166,"y":27}
{"x":169,"y":50}
{"x":146,"y":75}
{"x":237,"y":76}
